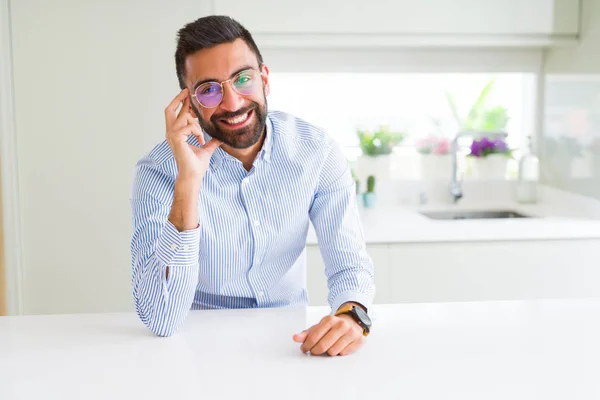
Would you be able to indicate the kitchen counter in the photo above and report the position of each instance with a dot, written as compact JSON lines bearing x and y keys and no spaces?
{"x":560,"y":215}
{"x":405,"y":224}
{"x":494,"y":350}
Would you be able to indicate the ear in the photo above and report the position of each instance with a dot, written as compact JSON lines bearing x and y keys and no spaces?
{"x":265,"y":78}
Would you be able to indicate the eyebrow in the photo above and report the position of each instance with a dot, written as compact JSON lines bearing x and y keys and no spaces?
{"x":216,"y":80}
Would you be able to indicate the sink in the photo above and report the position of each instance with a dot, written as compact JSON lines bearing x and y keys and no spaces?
{"x":482,"y":214}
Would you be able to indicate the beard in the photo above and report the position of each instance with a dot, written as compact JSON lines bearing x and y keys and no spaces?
{"x":241,"y":138}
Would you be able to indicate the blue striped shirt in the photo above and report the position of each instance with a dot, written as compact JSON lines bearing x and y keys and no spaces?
{"x":249,"y":248}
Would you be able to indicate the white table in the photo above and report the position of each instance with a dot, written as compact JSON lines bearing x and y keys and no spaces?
{"x":499,"y":350}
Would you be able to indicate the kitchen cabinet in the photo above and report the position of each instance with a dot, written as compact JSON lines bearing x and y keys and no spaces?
{"x":404,"y":22}
{"x":475,"y":271}
{"x":480,"y":271}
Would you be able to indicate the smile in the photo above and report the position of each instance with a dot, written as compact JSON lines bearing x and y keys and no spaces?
{"x":238,"y":121}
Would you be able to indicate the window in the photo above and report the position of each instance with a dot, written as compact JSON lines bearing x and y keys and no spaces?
{"x":406,"y":91}
{"x":343,"y":102}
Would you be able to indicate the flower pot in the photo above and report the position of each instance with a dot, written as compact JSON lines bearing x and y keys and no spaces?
{"x":436,"y":167}
{"x":359,"y":200}
{"x":492,"y":166}
{"x":369,"y":199}
{"x":378,"y":166}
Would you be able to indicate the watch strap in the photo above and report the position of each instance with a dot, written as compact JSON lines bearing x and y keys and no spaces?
{"x":349,"y":309}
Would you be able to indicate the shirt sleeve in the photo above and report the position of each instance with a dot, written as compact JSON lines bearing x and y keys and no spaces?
{"x":334,"y":215}
{"x":161,"y":303}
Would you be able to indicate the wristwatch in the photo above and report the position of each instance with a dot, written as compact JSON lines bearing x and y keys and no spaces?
{"x":359,"y":315}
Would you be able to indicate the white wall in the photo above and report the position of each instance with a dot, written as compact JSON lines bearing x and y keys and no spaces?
{"x":91,"y":82}
{"x":570,"y":149}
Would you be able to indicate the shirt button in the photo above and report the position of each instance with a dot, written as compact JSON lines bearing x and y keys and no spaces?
{"x":173,"y":246}
{"x":186,"y":247}
{"x":261,"y":294}
{"x":256,"y":223}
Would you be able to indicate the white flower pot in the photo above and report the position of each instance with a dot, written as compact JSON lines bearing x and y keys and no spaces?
{"x":436,"y":167}
{"x":378,"y":166}
{"x":493,"y":166}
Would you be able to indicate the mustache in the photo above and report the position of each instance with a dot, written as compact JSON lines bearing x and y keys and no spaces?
{"x":227,"y":115}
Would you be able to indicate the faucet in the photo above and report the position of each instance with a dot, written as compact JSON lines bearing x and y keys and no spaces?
{"x":455,"y":184}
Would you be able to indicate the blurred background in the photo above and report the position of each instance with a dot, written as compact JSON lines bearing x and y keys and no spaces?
{"x":471,"y":127}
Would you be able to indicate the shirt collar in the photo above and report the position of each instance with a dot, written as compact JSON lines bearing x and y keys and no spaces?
{"x":268,"y":143}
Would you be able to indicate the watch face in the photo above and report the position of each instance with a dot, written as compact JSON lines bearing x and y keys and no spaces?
{"x":363,"y":316}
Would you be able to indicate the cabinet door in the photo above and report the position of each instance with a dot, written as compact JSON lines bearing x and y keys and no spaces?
{"x":439,"y":272}
{"x":380,"y":254}
{"x":317,"y":281}
{"x":442,"y":17}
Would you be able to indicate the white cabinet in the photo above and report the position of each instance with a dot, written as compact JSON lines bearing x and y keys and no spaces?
{"x":474,"y":271}
{"x":479,"y":271}
{"x":393,"y":22}
{"x":317,"y":282}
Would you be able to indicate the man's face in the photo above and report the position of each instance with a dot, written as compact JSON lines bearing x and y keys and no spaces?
{"x":238,"y":120}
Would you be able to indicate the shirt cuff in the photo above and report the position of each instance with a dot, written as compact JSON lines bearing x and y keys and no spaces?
{"x":356,"y":297}
{"x":176,"y":248}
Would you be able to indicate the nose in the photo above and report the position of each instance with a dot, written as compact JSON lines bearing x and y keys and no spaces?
{"x":232,"y":100}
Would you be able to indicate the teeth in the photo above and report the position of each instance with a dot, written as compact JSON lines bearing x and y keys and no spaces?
{"x":237,"y":120}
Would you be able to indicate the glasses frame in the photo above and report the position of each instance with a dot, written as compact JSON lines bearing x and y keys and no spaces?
{"x":223,"y":89}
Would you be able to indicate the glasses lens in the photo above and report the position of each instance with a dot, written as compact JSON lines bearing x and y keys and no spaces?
{"x":209,"y":94}
{"x":244,"y":82}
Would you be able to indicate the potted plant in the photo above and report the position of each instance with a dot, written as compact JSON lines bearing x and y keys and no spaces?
{"x":376,"y":149}
{"x":369,"y":195}
{"x":435,"y":160}
{"x":489,"y":158}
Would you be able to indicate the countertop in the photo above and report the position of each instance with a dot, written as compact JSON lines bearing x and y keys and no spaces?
{"x":545,"y":349}
{"x":405,"y":224}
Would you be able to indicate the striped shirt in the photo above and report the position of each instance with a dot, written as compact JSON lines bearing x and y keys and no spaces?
{"x":249,"y":248}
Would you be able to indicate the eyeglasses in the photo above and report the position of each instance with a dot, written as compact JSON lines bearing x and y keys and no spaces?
{"x":210,"y":94}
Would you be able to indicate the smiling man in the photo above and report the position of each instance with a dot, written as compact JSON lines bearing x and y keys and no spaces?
{"x":222,"y":207}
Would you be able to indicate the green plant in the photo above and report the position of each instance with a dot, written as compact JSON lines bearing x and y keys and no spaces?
{"x":371,"y":184}
{"x":480,"y":117}
{"x":382,"y":141}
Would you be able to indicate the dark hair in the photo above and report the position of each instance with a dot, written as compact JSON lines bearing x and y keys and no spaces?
{"x":207,"y":32}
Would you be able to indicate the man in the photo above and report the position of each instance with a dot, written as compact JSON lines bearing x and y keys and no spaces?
{"x":222,"y":207}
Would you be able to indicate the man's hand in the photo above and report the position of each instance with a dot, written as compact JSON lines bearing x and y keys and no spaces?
{"x":340,"y":335}
{"x":192,"y":161}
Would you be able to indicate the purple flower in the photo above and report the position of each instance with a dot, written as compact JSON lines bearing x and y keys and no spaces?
{"x":476,"y":148}
{"x":499,"y":145}
{"x":486,"y":143}
{"x":485,"y":146}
